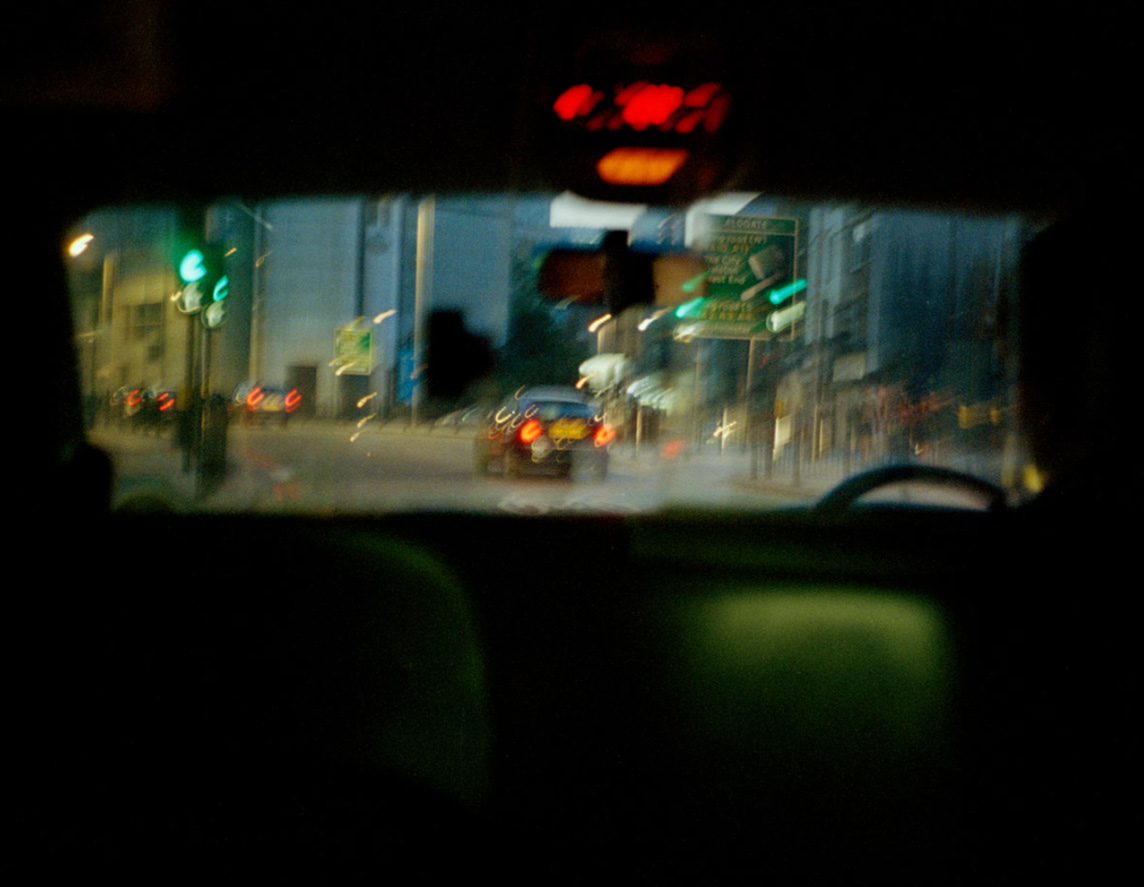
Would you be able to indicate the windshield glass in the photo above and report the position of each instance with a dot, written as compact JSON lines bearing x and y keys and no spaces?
{"x":281,"y":356}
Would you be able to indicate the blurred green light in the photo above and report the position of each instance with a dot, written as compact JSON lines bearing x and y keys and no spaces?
{"x":688,"y":309}
{"x":785,"y":292}
{"x":192,"y":267}
{"x":693,"y":284}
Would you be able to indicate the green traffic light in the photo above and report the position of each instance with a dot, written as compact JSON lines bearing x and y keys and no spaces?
{"x":785,"y":292}
{"x":192,"y":267}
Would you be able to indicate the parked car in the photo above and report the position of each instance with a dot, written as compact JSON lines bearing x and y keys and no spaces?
{"x":266,"y":403}
{"x":144,"y":406}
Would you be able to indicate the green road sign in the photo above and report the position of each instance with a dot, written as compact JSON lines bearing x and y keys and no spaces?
{"x":750,"y":273}
{"x":353,"y":351}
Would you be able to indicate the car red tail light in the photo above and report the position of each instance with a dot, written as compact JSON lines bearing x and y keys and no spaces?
{"x":293,"y":399}
{"x":256,"y":396}
{"x":530,"y":431}
{"x":605,"y":434}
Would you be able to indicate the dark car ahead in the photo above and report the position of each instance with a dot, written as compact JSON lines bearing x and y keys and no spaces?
{"x":545,"y":429}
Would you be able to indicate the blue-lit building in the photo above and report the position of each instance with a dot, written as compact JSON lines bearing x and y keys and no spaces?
{"x":375,"y":264}
{"x":905,"y":309}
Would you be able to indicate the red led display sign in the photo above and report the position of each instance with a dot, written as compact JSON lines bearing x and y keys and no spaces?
{"x":644,"y":107}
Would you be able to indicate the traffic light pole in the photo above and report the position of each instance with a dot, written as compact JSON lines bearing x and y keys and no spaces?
{"x":202,"y":391}
{"x":201,"y":269}
{"x":189,"y":418}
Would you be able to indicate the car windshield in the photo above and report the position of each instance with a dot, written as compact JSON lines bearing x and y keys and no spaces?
{"x":352,"y":354}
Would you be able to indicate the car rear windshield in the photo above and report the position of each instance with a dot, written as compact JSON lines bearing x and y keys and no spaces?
{"x":548,"y":410}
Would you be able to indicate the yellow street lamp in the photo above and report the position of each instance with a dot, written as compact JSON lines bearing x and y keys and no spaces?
{"x":77,"y":246}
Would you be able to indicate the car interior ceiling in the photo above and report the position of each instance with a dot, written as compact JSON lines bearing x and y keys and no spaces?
{"x":804,"y":696}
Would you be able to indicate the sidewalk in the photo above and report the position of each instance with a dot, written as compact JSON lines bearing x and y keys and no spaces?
{"x":735,"y":468}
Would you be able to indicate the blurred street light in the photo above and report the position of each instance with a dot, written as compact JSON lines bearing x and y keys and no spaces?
{"x":597,"y":327}
{"x":648,"y":321}
{"x":77,"y":246}
{"x":598,"y":322}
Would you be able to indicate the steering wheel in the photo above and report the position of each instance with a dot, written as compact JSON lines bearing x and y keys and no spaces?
{"x":838,"y":500}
